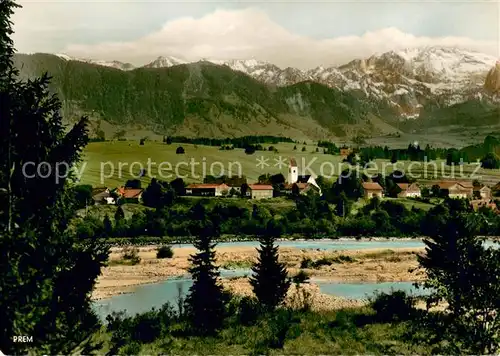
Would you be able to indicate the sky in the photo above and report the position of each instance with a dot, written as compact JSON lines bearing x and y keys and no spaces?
{"x":301,"y":34}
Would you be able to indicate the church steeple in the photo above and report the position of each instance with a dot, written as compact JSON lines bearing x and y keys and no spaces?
{"x":293,"y":171}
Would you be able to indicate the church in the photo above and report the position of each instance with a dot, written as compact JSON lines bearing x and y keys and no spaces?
{"x":304,"y":183}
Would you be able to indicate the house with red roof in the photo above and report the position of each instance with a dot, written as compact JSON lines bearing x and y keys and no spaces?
{"x":301,"y":188}
{"x":207,"y":189}
{"x":130,"y":195}
{"x":407,"y":190}
{"x":372,"y":190}
{"x":260,"y":191}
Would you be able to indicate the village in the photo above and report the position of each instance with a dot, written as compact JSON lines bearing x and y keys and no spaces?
{"x":479,"y":195}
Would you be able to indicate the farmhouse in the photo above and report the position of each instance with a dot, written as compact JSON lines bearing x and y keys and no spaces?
{"x":372,"y":190}
{"x":102,"y":196}
{"x":260,"y":191}
{"x":456,"y":189}
{"x":205,"y":189}
{"x":130,"y":195}
{"x":407,"y":190}
{"x":482,"y":192}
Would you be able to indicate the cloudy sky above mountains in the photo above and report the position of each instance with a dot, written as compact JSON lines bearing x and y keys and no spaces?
{"x":288,"y":33}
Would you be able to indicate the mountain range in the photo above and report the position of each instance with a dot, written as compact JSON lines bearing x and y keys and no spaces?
{"x":386,"y":93}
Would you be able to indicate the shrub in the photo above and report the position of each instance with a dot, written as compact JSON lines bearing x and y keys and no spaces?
{"x":279,"y":325}
{"x":129,"y":332}
{"x":394,"y":306}
{"x":300,"y":277}
{"x":342,"y":259}
{"x":180,"y":150}
{"x":164,"y":252}
{"x":248,"y":310}
{"x":249,"y":150}
{"x":323,"y":261}
{"x":306,"y":263}
{"x":131,"y":254}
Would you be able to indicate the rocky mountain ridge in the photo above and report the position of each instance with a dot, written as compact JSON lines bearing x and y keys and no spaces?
{"x":405,"y":80}
{"x":492,"y":83}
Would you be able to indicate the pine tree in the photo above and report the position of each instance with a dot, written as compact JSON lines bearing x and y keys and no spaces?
{"x":120,"y":229}
{"x":46,"y":273}
{"x":108,"y":226}
{"x":394,"y":157}
{"x":270,"y":281}
{"x":205,"y":304}
{"x":465,"y":273}
{"x":343,"y":206}
{"x":119,"y":215}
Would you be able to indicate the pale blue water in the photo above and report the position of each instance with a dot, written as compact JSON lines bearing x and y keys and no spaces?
{"x":365,"y":290}
{"x":155,"y":295}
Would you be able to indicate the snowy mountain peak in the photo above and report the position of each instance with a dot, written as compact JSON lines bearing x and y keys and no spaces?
{"x":428,"y":64}
{"x":64,"y":56}
{"x":243,"y":65}
{"x":168,"y":61}
{"x":406,"y":79}
{"x":112,"y":64}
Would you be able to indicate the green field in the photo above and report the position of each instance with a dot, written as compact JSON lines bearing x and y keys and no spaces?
{"x":209,"y":159}
{"x":112,"y":163}
{"x":410,"y":203}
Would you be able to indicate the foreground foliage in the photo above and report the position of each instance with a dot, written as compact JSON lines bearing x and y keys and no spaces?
{"x":311,"y":217}
{"x":466,"y":275}
{"x":205,"y":303}
{"x":270,"y":281}
{"x":253,"y":330}
{"x":46,"y":275}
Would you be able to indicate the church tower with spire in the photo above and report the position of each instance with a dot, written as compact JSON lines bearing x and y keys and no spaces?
{"x":293,"y":171}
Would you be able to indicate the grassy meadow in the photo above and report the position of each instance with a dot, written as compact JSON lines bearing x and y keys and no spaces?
{"x":351,"y":331}
{"x":112,"y":163}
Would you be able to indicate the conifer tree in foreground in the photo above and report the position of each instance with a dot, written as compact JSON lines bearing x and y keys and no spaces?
{"x":270,"y":280}
{"x":46,"y":273}
{"x":119,"y":215}
{"x":205,"y":303}
{"x":464,"y":273}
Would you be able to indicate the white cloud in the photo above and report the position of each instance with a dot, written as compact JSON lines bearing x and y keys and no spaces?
{"x":250,"y":33}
